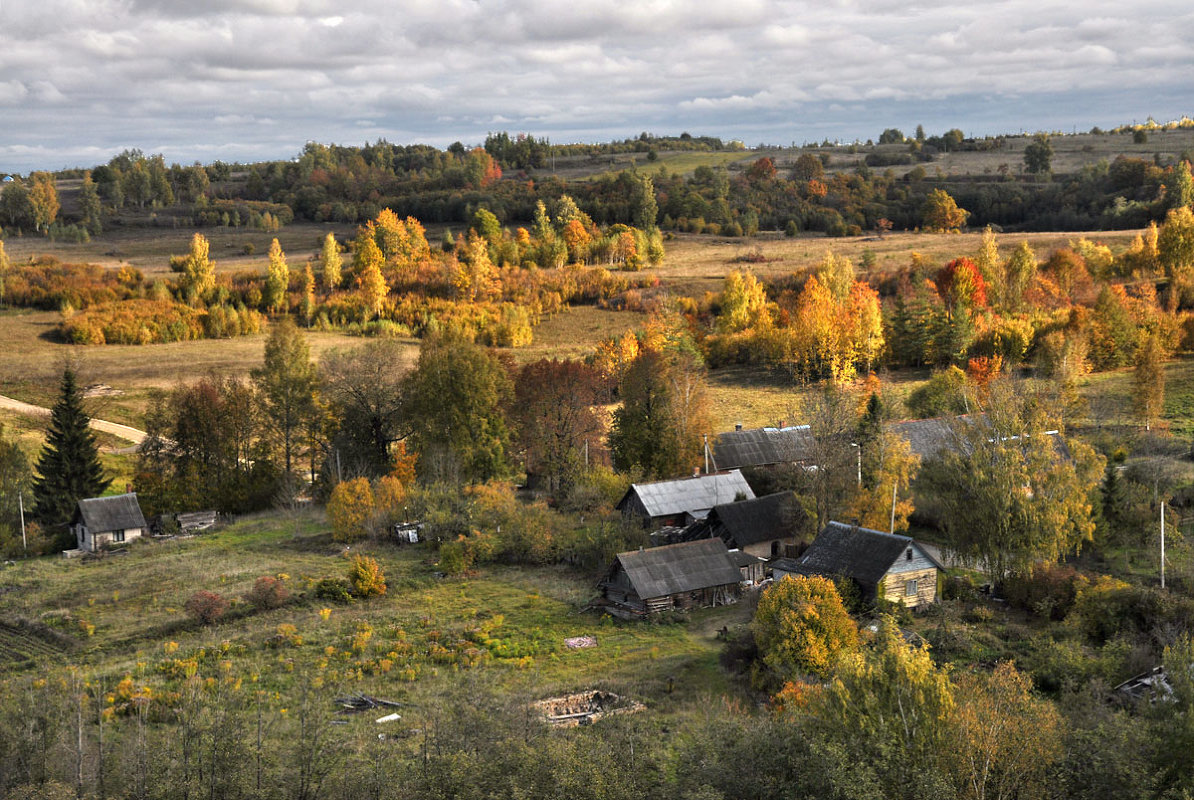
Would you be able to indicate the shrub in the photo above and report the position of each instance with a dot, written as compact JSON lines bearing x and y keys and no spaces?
{"x":206,"y":607}
{"x":366,"y":577}
{"x":267,"y":593}
{"x":1048,"y":591}
{"x":350,"y":509}
{"x":336,"y":590}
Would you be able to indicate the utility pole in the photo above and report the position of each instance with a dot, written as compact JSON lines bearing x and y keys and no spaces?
{"x":706,"y":453}
{"x":857,"y":446}
{"x":1162,"y":544}
{"x":895,"y":485}
{"x":586,"y":453}
{"x":21,"y":505}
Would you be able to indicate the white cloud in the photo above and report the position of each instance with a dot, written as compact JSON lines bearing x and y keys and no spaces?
{"x":83,"y":76}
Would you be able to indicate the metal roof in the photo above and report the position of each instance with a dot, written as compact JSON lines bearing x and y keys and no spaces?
{"x":675,"y":568}
{"x":693,"y":495}
{"x":757,"y":447}
{"x":116,"y":513}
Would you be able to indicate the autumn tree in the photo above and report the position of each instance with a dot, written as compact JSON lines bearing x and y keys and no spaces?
{"x":307,"y":306}
{"x":370,"y":280}
{"x":198,"y":270}
{"x":206,"y":446}
{"x":1148,"y":380}
{"x":91,"y":210}
{"x":330,"y":263}
{"x":961,"y":286}
{"x":455,"y":403}
{"x":554,"y":415}
{"x":657,"y":431}
{"x":364,"y":387}
{"x":277,"y":282}
{"x":889,"y":707}
{"x":43,"y":196}
{"x":888,"y":468}
{"x":743,"y":304}
{"x":287,"y":382}
{"x":1006,"y":494}
{"x":350,"y":509}
{"x":941,"y":213}
{"x":15,"y":479}
{"x":1018,"y":275}
{"x":989,"y":265}
{"x":68,"y":469}
{"x":801,"y":625}
{"x":1006,"y":739}
{"x":1038,"y":155}
{"x":1175,"y":250}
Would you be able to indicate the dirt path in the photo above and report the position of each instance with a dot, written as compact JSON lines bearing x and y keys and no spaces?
{"x":123,"y":431}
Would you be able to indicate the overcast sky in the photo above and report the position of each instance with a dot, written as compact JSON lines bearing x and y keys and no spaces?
{"x":80,"y":80}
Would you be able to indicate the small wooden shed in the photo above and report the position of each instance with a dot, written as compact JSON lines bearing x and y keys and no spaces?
{"x":884,"y":565}
{"x":101,"y":522}
{"x":767,"y":527}
{"x":677,"y":576}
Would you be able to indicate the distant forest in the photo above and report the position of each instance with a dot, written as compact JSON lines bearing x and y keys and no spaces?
{"x":790,"y":189}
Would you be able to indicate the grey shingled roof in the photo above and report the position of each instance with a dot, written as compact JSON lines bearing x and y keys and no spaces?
{"x":930,"y":437}
{"x":757,"y":447}
{"x":115,"y":513}
{"x":684,"y":567}
{"x":690,"y":495}
{"x":860,"y":553}
{"x":752,"y":521}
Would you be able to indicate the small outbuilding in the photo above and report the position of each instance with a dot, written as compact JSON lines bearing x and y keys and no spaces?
{"x":768,"y":526}
{"x":884,"y":565}
{"x":683,"y":500}
{"x":677,"y":576}
{"x":102,"y":522}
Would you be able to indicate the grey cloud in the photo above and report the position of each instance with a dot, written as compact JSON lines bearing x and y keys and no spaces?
{"x":257,"y":78}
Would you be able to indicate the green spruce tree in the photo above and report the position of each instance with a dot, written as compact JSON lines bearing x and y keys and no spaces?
{"x":68,"y":469}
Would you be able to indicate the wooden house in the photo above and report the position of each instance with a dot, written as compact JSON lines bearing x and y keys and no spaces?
{"x":768,"y":527}
{"x":683,"y":500}
{"x":885,"y":566}
{"x":679,"y":576}
{"x":752,"y":568}
{"x":102,"y":522}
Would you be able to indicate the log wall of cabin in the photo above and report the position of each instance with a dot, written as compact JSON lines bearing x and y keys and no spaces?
{"x":894,"y":587}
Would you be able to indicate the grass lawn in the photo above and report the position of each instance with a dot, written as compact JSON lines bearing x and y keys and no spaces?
{"x":124,"y":615}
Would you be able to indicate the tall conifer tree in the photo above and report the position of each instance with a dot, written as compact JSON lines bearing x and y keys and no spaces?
{"x":68,"y":469}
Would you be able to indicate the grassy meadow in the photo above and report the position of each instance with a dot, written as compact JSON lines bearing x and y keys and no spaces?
{"x":124,"y":615}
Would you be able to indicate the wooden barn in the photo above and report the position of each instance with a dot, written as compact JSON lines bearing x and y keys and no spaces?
{"x":101,"y":522}
{"x":683,"y":500}
{"x":678,"y":576}
{"x":768,"y":527}
{"x":884,"y":565}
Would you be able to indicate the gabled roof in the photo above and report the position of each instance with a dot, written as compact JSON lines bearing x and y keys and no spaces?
{"x":689,"y":495}
{"x":860,"y":553}
{"x":928,"y":437}
{"x":752,"y":521}
{"x":115,"y":513}
{"x":684,"y":567}
{"x":757,"y":447}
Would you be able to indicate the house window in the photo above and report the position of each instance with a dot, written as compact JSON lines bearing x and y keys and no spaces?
{"x":118,"y":536}
{"x":910,"y":588}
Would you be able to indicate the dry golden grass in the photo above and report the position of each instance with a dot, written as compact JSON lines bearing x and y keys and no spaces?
{"x":149,"y":249}
{"x":698,"y":263}
{"x":31,"y":363}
